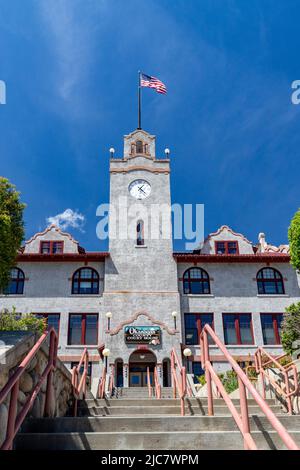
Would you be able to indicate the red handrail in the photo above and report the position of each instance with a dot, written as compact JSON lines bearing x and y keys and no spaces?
{"x":157,"y":384}
{"x":149,"y":383}
{"x":102,"y":383}
{"x":80,"y":387}
{"x":262,"y":369}
{"x":15,"y":420}
{"x":178,"y":384}
{"x":242,"y":420}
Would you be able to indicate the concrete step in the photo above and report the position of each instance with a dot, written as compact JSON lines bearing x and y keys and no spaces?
{"x":176,"y":440}
{"x":165,"y":410}
{"x":160,"y":402}
{"x":155,"y":424}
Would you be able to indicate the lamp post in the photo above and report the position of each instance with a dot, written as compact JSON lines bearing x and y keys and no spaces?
{"x":167,"y":152}
{"x":108,"y":316}
{"x":112,"y":152}
{"x":187,"y":353}
{"x":106,"y":353}
{"x":174,"y":315}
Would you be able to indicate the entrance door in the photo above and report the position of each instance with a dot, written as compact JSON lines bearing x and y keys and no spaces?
{"x":135,"y":379}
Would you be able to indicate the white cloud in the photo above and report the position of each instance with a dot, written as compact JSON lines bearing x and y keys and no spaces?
{"x":68,"y":219}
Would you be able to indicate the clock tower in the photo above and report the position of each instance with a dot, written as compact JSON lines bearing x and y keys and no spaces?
{"x":141,"y":285}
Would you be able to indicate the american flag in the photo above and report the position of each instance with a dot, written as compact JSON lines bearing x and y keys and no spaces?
{"x":152,"y":82}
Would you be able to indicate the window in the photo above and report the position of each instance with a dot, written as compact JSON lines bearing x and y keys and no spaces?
{"x":194,"y":322}
{"x":269,"y":281}
{"x":83,"y":328}
{"x":51,"y":247}
{"x":197,"y":371}
{"x":52,"y":320}
{"x":140,"y":233}
{"x":227,"y":248}
{"x":271,"y":327}
{"x":85,"y":281}
{"x":196,"y":281}
{"x":16,"y":283}
{"x":238,"y":328}
{"x":89,"y":371}
{"x":139,"y":147}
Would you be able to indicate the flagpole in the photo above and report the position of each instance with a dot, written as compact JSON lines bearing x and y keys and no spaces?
{"x":139,"y":101}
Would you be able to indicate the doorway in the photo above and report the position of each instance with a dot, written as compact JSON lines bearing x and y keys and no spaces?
{"x":139,"y":361}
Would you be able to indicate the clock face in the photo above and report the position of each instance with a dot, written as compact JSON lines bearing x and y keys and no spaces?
{"x":140,"y":189}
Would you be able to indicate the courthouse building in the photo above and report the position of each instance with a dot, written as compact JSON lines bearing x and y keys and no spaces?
{"x":141,"y":299}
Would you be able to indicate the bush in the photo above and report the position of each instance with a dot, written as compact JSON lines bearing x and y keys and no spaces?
{"x":11,"y":321}
{"x":294,"y":239}
{"x":229,"y":381}
{"x":290,"y":328}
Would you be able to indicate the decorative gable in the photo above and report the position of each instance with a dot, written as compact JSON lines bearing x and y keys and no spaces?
{"x":51,"y":234}
{"x":139,"y":143}
{"x":225,"y":239}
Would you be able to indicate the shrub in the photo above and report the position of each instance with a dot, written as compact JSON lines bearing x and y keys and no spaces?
{"x":294,"y":239}
{"x":11,"y":321}
{"x":229,"y":381}
{"x":290,"y":328}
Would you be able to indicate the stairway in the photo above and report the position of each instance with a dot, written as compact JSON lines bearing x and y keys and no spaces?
{"x":135,"y":421}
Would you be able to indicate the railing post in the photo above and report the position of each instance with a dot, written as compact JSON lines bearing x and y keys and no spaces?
{"x":210,"y":406}
{"x":244,"y":410}
{"x":172,"y":374}
{"x":183,"y":390}
{"x":288,"y":397}
{"x":149,"y":383}
{"x":261,"y":373}
{"x":12,"y":413}
{"x":52,"y":361}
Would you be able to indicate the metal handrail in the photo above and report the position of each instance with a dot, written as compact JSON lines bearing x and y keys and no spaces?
{"x":102,"y":383}
{"x":157,"y":384}
{"x":80,"y":387}
{"x":111,"y":380}
{"x":149,"y":383}
{"x":262,"y":369}
{"x":178,"y":385}
{"x":242,"y":418}
{"x":15,"y":420}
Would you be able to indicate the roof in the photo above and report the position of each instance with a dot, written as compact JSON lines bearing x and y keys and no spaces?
{"x":63,"y":257}
{"x":182,"y":257}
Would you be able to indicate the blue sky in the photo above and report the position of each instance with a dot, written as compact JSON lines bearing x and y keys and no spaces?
{"x":70,"y":67}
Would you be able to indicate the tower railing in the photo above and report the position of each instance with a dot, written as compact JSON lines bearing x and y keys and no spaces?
{"x":241,"y":417}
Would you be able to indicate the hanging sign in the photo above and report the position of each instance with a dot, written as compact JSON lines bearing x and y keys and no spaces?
{"x":142,"y":335}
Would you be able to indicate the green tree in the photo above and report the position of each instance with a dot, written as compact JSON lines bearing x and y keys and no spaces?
{"x":294,"y":239}
{"x":290,"y":328}
{"x":11,"y":228}
{"x":11,"y":321}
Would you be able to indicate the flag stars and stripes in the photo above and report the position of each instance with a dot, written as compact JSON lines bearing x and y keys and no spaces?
{"x":152,"y":82}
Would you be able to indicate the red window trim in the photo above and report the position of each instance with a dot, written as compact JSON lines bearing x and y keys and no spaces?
{"x":226,"y":242}
{"x":46,"y":315}
{"x":83,"y":328}
{"x":276,"y":280}
{"x":275,"y":325}
{"x":191,"y":280}
{"x":51,"y":243}
{"x":198,"y":322}
{"x":237,"y":328}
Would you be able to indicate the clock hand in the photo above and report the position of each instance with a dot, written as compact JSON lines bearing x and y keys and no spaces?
{"x":141,"y":190}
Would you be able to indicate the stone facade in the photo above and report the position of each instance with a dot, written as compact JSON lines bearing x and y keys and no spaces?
{"x":142,"y":284}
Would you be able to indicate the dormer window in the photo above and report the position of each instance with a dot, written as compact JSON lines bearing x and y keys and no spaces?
{"x":51,"y":247}
{"x":139,"y":147}
{"x":227,"y":247}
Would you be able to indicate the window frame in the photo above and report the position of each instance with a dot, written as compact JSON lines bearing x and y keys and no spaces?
{"x":198,"y":325}
{"x":237,"y":329}
{"x":18,"y":280}
{"x":81,"y":279}
{"x":275,"y":327}
{"x":262,"y":281}
{"x":51,"y":244}
{"x":46,"y":315}
{"x":226,"y":243}
{"x":83,"y":329}
{"x":140,"y":236}
{"x":201,"y":280}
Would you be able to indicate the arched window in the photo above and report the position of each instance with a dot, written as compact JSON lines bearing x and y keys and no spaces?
{"x":269,"y":281}
{"x":139,"y":147}
{"x":140,"y":233}
{"x":85,"y":281}
{"x":196,"y":281}
{"x":16,"y":283}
